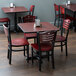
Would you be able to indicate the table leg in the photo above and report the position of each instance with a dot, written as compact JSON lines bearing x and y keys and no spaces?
{"x":15,"y":21}
{"x":74,"y":22}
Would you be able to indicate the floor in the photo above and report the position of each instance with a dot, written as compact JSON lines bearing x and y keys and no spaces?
{"x":64,"y":66}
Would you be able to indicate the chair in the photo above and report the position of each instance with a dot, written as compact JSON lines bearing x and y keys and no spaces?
{"x":60,"y":14}
{"x":62,"y":38}
{"x":45,"y":44}
{"x":5,"y":20}
{"x":64,"y":15}
{"x":30,"y":12}
{"x":17,"y":42}
{"x":29,"y":18}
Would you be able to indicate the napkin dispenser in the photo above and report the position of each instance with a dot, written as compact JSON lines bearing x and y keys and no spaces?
{"x":37,"y":22}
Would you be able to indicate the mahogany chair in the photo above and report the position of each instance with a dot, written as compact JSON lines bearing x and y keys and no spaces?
{"x":16,"y":42}
{"x":29,"y":18}
{"x":63,"y":37}
{"x":66,"y":16}
{"x":5,"y":20}
{"x":30,"y":12}
{"x":60,"y":14}
{"x":45,"y":44}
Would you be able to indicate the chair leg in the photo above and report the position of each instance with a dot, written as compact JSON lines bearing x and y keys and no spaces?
{"x":39,"y":64}
{"x":35,"y":40}
{"x":19,"y":19}
{"x":52,"y":57}
{"x":40,"y":61}
{"x":66,"y":49}
{"x":27,"y":54}
{"x":61,"y":47}
{"x":24,"y":50}
{"x":32,"y":54}
{"x":10,"y":56}
{"x":48,"y":55}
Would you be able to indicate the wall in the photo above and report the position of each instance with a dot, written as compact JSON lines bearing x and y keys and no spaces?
{"x":44,"y":8}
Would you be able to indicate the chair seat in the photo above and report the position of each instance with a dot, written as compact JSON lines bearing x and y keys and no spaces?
{"x":4,"y":19}
{"x":60,"y":38}
{"x":19,"y":42}
{"x":30,"y":35}
{"x":44,"y":47}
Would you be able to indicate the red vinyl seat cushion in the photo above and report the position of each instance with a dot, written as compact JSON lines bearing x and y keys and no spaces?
{"x":60,"y":38}
{"x":44,"y":47}
{"x":19,"y":42}
{"x":4,"y":20}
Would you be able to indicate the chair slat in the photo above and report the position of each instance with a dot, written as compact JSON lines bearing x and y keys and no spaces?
{"x":47,"y":37}
{"x":66,"y":24}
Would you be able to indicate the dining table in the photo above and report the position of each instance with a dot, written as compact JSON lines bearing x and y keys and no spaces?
{"x":15,"y":10}
{"x":71,"y":10}
{"x":31,"y":28}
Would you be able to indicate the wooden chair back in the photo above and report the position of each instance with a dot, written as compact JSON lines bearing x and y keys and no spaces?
{"x":29,"y":18}
{"x":47,"y":37}
{"x":66,"y":25}
{"x":7,"y":32}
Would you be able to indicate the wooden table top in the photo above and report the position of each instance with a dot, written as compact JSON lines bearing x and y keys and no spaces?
{"x":29,"y":27}
{"x":14,"y":10}
{"x":70,"y":7}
